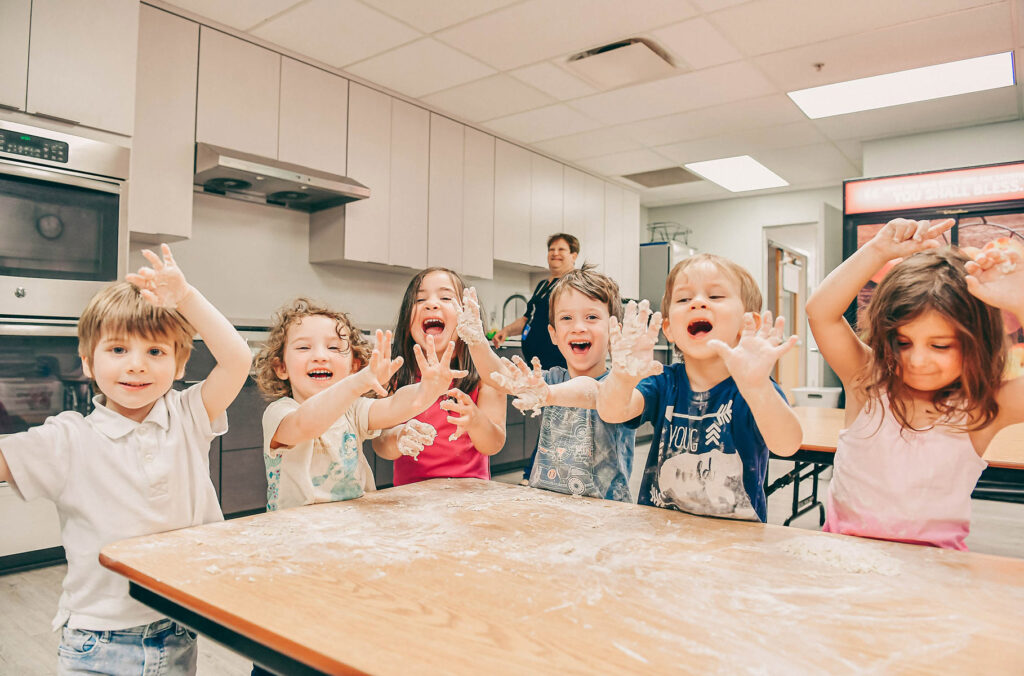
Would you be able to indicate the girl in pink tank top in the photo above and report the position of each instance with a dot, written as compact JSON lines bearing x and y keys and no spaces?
{"x":469,"y":419}
{"x":925,"y":389}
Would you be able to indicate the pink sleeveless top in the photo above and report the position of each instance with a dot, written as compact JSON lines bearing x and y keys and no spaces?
{"x":896,"y":484}
{"x":443,"y":458}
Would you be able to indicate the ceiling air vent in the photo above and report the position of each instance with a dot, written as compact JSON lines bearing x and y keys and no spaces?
{"x":662,"y":177}
{"x":622,"y":63}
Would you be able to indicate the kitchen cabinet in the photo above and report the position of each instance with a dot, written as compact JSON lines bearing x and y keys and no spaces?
{"x":15,"y":20}
{"x":613,"y":232}
{"x":630,"y":280}
{"x":545,"y":206}
{"x":369,"y":157}
{"x":445,"y":212}
{"x":410,"y":170}
{"x":512,"y":203}
{"x":81,"y":61}
{"x":478,"y":204}
{"x":592,"y":243}
{"x":238,"y":94}
{"x":573,"y":211}
{"x":313,"y":118}
{"x":160,"y":199}
{"x":243,"y":481}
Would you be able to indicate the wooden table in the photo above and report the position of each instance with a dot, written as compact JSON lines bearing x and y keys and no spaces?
{"x":475,"y":577}
{"x":1003,"y":479}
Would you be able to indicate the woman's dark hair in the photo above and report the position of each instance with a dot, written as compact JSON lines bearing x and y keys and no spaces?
{"x":403,"y":342}
{"x":935,"y":280}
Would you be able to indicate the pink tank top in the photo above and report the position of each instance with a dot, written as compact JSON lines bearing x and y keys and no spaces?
{"x":443,"y":458}
{"x":895,"y":484}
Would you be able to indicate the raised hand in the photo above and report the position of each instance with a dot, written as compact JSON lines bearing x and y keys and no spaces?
{"x":632,"y":343}
{"x":413,"y":436}
{"x":380,"y":367}
{"x":996,"y":275}
{"x":761,"y":344}
{"x":902,"y":237}
{"x":461,"y":404}
{"x":469,"y":327}
{"x":164,"y":284}
{"x":528,"y":387}
{"x":436,"y":373}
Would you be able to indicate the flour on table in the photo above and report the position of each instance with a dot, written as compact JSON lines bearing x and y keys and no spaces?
{"x":845,"y":554}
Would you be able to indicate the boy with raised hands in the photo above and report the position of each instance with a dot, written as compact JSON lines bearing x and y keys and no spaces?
{"x":716,"y":415}
{"x":577,"y":452}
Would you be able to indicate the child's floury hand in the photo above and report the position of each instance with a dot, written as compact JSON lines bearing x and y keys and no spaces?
{"x":381,"y":367}
{"x":164,"y":284}
{"x":528,"y":387}
{"x":414,"y":435}
{"x":462,"y":404}
{"x":632,"y":344}
{"x":996,"y":275}
{"x":436,"y":373}
{"x":470,"y":328}
{"x":902,"y":237}
{"x":752,"y":360}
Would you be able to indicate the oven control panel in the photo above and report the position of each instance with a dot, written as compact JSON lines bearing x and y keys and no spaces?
{"x":28,"y":145}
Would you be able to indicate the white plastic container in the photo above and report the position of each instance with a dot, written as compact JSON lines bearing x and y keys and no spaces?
{"x":35,"y":397}
{"x":824,"y":397}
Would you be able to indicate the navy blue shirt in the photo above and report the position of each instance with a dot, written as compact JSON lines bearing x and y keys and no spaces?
{"x":707,"y":456}
{"x":536,"y":339}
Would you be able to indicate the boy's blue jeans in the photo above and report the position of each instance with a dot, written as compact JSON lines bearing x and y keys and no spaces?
{"x":157,"y":649}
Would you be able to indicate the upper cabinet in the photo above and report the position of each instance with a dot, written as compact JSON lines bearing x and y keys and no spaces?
{"x":478,"y":204}
{"x":592,"y":241}
{"x":369,"y":160}
{"x":613,"y":239}
{"x":238,"y":97}
{"x":410,"y":169}
{"x":512,"y":203}
{"x":545,"y":206}
{"x":15,"y":20}
{"x":160,"y":198}
{"x":81,"y":60}
{"x":629,"y":281}
{"x":314,"y":118}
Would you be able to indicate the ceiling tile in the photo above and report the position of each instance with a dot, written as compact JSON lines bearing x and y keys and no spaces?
{"x":705,"y":149}
{"x":488,"y":98}
{"x":697,"y":43}
{"x":538,"y":30}
{"x":783,"y":136}
{"x":817,"y":163}
{"x":337,"y":32}
{"x":708,"y":6}
{"x":953,"y":111}
{"x":852,"y":150}
{"x":553,"y":80}
{"x":709,"y":87}
{"x":698,"y":191}
{"x":772,"y":25}
{"x":717,"y":120}
{"x":589,"y":144}
{"x":629,"y":162}
{"x":431,"y":16}
{"x":543,"y":123}
{"x":420,"y":68}
{"x":234,"y":13}
{"x":975,"y":32}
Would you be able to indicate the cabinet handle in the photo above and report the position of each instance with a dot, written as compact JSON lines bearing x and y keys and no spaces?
{"x":57,"y":118}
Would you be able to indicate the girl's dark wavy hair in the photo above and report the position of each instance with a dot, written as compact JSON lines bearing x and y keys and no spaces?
{"x":403,"y":343}
{"x":936,"y":280}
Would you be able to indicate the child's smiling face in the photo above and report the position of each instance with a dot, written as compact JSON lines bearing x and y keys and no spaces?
{"x":705,"y":303}
{"x":929,"y":352}
{"x":580,"y":331}
{"x":314,"y":356}
{"x":436,"y":311}
{"x":133,"y":372}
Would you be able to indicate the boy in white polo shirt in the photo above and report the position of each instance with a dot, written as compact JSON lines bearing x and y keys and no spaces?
{"x":138,"y":464}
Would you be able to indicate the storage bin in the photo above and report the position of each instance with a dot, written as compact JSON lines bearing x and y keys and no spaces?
{"x":31,"y":396}
{"x":825,"y":397}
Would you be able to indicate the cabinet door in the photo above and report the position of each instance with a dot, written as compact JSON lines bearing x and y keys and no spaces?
{"x":81,"y":63}
{"x":511,"y":203}
{"x":573,"y":212}
{"x":630,"y":283}
{"x":239,"y":85}
{"x":160,"y":199}
{"x":478,"y":205}
{"x":410,"y":185}
{"x":613,"y":232}
{"x":15,"y":17}
{"x":243,"y":482}
{"x":446,"y":183}
{"x":314,"y":117}
{"x":592,"y":244}
{"x":546,"y":206}
{"x":245,"y":419}
{"x":369,"y":162}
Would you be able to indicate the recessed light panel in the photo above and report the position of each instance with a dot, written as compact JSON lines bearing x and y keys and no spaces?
{"x":737,"y":174}
{"x":907,"y":86}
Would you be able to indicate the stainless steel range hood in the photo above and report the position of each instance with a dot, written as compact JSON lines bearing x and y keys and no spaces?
{"x":258,"y":179}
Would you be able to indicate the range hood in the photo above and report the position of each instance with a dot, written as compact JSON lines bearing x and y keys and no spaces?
{"x":258,"y":179}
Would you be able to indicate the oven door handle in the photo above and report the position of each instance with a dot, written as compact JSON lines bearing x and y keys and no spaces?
{"x":53,"y":175}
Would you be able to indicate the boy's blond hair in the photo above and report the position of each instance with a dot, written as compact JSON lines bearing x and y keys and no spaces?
{"x":591,"y":284}
{"x":120,"y":310}
{"x":750,"y":294}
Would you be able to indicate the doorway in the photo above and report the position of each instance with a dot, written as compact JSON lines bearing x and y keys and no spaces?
{"x":786,"y":294}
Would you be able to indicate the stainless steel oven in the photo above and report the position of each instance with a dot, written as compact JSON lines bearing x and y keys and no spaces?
{"x":63,"y":220}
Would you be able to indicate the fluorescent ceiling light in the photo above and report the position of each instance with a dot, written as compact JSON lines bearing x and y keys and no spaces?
{"x":738,"y":173}
{"x":907,"y":86}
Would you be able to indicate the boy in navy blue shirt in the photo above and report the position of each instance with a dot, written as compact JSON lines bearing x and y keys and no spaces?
{"x":715,"y":415}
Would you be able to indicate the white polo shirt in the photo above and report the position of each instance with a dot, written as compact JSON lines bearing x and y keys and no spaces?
{"x":113,"y":478}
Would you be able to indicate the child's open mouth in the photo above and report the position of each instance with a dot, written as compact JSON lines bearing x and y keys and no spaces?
{"x":579,"y":346}
{"x":699,"y":327}
{"x":433,"y":326}
{"x":320,"y":374}
{"x":134,"y":386}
